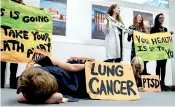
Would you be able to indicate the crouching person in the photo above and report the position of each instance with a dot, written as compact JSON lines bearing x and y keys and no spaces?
{"x":47,"y":80}
{"x":138,"y":66}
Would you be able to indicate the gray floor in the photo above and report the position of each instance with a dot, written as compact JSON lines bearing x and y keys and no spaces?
{"x":8,"y":98}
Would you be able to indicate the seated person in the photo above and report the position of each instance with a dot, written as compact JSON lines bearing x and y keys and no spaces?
{"x":47,"y":80}
{"x":138,"y":66}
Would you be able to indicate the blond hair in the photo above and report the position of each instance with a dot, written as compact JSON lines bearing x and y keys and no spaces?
{"x":137,"y":60}
{"x":37,"y":85}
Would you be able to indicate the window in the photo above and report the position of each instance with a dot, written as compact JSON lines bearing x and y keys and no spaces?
{"x":158,"y":3}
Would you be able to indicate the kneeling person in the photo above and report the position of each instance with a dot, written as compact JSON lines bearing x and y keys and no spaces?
{"x":138,"y":67}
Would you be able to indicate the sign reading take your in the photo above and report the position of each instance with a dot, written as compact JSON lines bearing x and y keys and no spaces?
{"x":110,"y":81}
{"x":24,"y":29}
{"x":156,"y":46}
{"x":151,"y":83}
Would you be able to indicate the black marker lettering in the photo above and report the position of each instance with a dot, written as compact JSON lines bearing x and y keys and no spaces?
{"x":102,"y":88}
{"x":27,"y":19}
{"x":119,"y":70}
{"x":14,"y":14}
{"x":123,"y":88}
{"x":115,"y":87}
{"x":129,"y":88}
{"x":91,"y":85}
{"x":110,"y":86}
{"x":93,"y":69}
{"x":138,"y":38}
{"x":2,"y":11}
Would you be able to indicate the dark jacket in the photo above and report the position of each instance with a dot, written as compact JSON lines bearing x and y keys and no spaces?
{"x":156,"y":30}
{"x":130,"y":37}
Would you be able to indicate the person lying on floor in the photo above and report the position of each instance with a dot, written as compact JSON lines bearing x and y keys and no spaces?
{"x":47,"y":80}
{"x":138,"y":66}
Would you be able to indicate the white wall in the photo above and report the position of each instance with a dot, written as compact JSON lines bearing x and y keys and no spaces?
{"x":172,"y":28}
{"x":78,"y":42}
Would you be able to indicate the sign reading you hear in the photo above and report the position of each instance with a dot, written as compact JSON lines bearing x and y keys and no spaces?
{"x":110,"y":81}
{"x":150,"y":47}
{"x":151,"y":83}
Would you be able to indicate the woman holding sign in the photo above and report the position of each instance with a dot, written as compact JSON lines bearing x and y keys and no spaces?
{"x":138,"y":25}
{"x":161,"y":64}
{"x":113,"y":40}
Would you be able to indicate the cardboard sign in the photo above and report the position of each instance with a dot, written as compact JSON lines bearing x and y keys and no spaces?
{"x":151,"y":83}
{"x":157,"y":46}
{"x":110,"y":81}
{"x":23,"y":29}
{"x":81,"y":59}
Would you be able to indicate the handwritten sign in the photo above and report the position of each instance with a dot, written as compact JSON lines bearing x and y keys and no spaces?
{"x":24,"y":29}
{"x":151,"y":83}
{"x":110,"y":81}
{"x":156,"y":46}
{"x":81,"y":59}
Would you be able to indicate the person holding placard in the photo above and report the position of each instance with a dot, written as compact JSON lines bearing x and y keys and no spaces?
{"x":161,"y":64}
{"x":138,"y":25}
{"x":114,"y":35}
{"x":42,"y":80}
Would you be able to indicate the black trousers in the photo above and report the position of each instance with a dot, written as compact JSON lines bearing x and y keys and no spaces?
{"x":161,"y":69}
{"x":145,"y":69}
{"x":13,"y":71}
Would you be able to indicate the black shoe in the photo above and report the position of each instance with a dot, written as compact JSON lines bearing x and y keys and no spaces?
{"x":172,"y":88}
{"x":164,"y":87}
{"x":2,"y":86}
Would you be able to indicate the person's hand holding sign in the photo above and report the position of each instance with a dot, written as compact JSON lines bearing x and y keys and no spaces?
{"x":107,"y":21}
{"x":106,"y":16}
{"x":131,"y":33}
